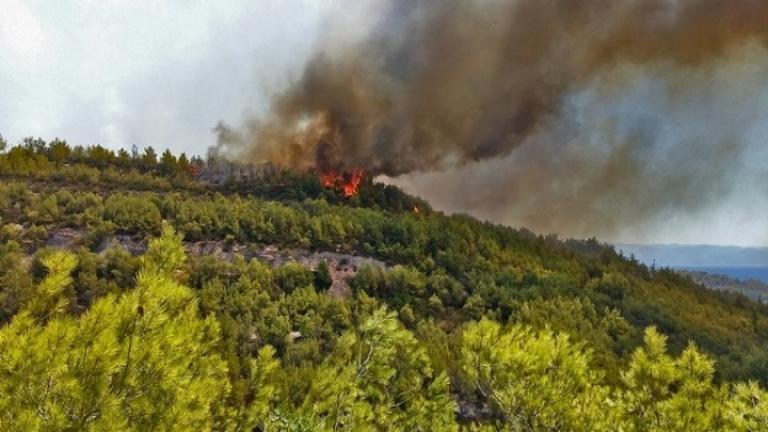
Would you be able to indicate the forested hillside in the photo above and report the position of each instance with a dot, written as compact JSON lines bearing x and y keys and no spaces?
{"x":135,"y":296}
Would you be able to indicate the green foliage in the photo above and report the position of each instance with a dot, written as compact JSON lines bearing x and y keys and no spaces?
{"x":293,"y":276}
{"x":149,"y":159}
{"x":142,"y":361}
{"x":59,"y":151}
{"x":541,"y":381}
{"x":664,"y":390}
{"x":48,"y":301}
{"x":165,"y":253}
{"x":261,"y":393}
{"x":536,"y":380}
{"x":168,"y":165}
{"x":607,"y":332}
{"x":16,"y":284}
{"x":145,"y":359}
{"x":132,"y":213}
{"x":323,"y":278}
{"x":379,"y":378}
{"x":457,"y":323}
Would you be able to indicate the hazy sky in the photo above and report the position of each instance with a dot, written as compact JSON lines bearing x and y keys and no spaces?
{"x":163,"y":73}
{"x":145,"y":72}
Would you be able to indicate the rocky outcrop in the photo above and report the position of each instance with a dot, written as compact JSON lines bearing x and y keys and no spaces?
{"x":65,"y":238}
{"x":342,"y":266}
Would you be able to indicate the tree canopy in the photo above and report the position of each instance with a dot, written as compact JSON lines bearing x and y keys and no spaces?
{"x":134,"y":296}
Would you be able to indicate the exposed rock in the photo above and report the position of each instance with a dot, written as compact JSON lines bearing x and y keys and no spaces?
{"x":133,"y":245}
{"x":220,"y":249}
{"x":342,"y":266}
{"x":65,"y":238}
{"x":470,"y":411}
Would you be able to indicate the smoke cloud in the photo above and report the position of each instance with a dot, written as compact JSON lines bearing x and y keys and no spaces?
{"x":621,"y":110}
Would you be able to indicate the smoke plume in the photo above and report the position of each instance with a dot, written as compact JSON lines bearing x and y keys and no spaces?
{"x":442,"y":85}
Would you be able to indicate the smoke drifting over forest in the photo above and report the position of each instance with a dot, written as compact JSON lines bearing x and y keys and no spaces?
{"x":576,"y":116}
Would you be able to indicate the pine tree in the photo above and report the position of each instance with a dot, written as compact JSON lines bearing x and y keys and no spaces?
{"x":144,"y":360}
{"x":323,"y":278}
{"x":536,"y":380}
{"x":168,"y":164}
{"x":379,"y":378}
{"x":149,"y":159}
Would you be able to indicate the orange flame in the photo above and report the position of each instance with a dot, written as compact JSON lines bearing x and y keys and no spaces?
{"x":328,"y":179}
{"x":347,"y":183}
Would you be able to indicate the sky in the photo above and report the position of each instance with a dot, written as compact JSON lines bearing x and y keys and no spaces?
{"x":144,"y":72}
{"x":164,"y":73}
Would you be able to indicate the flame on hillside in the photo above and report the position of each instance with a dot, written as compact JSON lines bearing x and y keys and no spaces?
{"x":574,"y":116}
{"x":346,"y":183}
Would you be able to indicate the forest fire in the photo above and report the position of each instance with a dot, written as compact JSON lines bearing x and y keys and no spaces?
{"x":347,"y":183}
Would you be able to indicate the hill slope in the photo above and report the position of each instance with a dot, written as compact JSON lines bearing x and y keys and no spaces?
{"x":415,"y":292}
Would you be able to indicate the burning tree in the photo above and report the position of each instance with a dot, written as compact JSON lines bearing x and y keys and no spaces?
{"x":347,"y":183}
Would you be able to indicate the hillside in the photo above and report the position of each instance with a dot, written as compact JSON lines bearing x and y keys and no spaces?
{"x":306,"y":309}
{"x":752,"y":288}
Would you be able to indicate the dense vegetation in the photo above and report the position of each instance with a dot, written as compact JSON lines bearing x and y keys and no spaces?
{"x":470,"y":325}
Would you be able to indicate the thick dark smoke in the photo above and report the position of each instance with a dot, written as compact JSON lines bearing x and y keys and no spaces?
{"x":441,"y":84}
{"x":659,"y":156}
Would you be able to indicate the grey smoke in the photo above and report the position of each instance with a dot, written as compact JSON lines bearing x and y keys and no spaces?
{"x":584,"y":116}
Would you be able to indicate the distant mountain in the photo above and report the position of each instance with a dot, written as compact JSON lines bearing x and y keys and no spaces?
{"x":754,"y":289}
{"x":676,"y":256}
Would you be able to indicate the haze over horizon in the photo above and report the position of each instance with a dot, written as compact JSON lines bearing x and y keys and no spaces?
{"x":163,"y":74}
